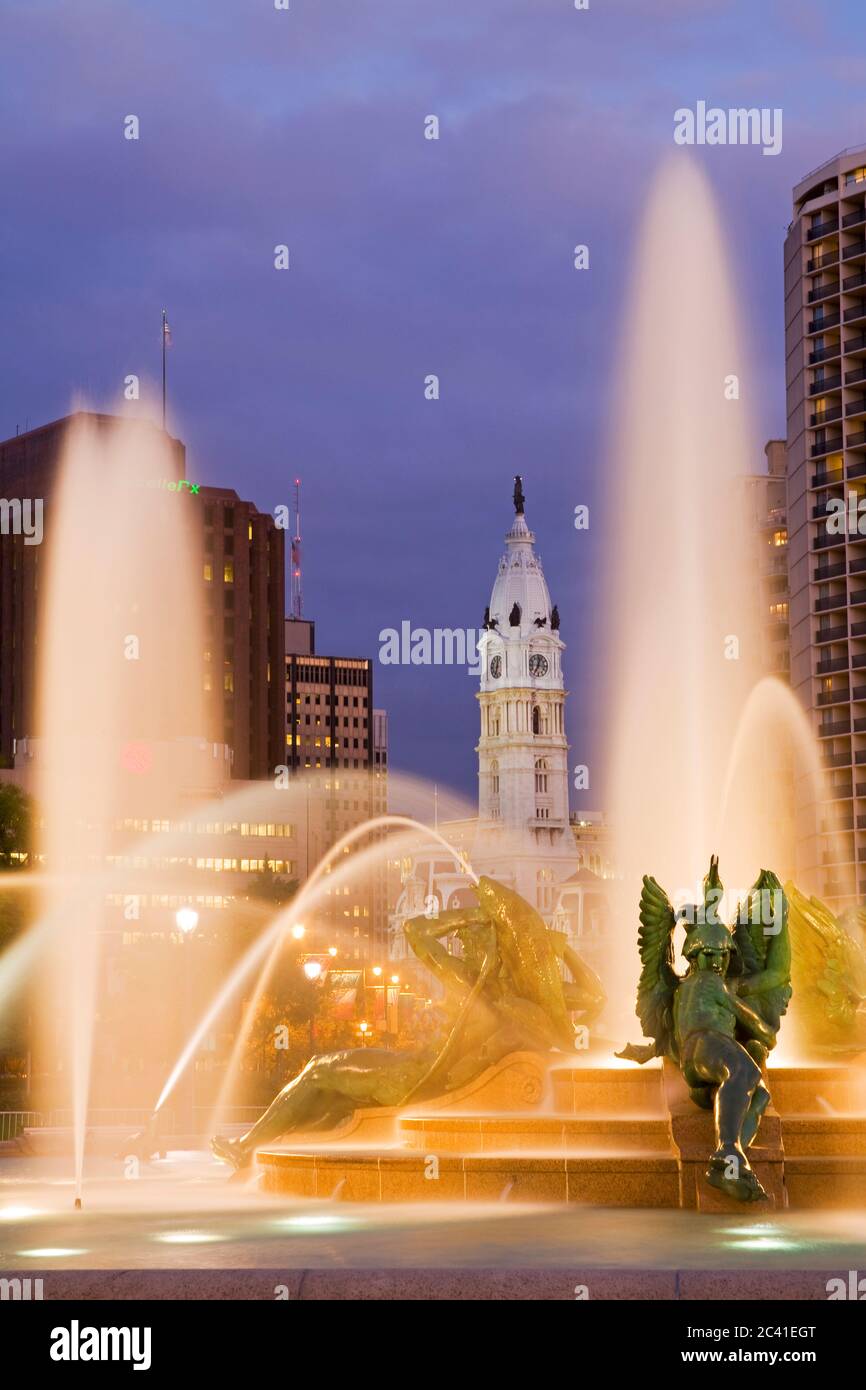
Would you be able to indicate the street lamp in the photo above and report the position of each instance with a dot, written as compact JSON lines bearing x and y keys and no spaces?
{"x":312,"y":969}
{"x":298,"y":931}
{"x":332,"y":950}
{"x":186,"y":919}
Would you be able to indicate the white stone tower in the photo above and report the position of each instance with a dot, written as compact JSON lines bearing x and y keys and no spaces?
{"x":523,"y":753}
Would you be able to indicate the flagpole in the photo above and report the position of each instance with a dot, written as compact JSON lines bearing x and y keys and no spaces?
{"x":163,"y":369}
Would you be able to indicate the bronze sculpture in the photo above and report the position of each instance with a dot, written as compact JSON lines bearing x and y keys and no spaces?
{"x":506,"y":993}
{"x":701,"y":1020}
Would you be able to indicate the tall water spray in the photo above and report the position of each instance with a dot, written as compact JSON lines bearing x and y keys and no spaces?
{"x":685,"y":619}
{"x":120,"y":671}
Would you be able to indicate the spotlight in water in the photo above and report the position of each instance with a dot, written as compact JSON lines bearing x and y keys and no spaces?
{"x":18,"y":1213}
{"x":186,"y":1237}
{"x":299,"y":931}
{"x":50,"y":1252}
{"x":187,"y":919}
{"x":312,"y":969}
{"x":315,"y":1222}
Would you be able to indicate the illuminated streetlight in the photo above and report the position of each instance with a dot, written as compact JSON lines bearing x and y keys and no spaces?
{"x":332,"y":950}
{"x":186,"y":919}
{"x":395,"y":979}
{"x":377,"y":969}
{"x":312,"y":969}
{"x":363,"y":1027}
{"x":298,"y":931}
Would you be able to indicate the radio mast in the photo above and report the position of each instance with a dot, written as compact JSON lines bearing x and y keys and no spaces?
{"x":297,"y":593}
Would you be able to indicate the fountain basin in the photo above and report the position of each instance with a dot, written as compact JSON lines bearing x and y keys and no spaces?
{"x":618,"y":1138}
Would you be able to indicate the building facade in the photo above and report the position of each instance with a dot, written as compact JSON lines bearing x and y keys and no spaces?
{"x":243,"y":569}
{"x":766,"y":505}
{"x":825,"y":342}
{"x":336,"y":744}
{"x":243,"y":579}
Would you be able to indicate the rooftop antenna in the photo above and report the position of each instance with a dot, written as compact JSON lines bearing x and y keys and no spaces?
{"x":297,"y":593}
{"x":166,"y":343}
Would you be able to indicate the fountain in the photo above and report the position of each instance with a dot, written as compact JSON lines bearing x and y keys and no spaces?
{"x":513,"y":1105}
{"x":705,"y":750}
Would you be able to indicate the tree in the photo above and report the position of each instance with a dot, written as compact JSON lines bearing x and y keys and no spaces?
{"x":16,"y":826}
{"x":268,"y":887}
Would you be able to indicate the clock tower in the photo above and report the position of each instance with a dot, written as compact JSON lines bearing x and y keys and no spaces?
{"x":522,"y":753}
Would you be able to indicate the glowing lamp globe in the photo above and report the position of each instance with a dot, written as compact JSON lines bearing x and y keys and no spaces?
{"x":186,"y":919}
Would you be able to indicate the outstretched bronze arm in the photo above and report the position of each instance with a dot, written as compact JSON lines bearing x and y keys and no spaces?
{"x":424,"y":935}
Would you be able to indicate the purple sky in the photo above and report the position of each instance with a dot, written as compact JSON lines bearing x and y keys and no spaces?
{"x":409,"y":257}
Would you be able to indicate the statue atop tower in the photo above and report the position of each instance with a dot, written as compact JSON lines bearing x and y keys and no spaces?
{"x":519,"y":499}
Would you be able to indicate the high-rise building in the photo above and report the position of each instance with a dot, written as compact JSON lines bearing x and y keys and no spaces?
{"x":242,"y":567}
{"x":825,"y":345}
{"x":767,"y":524}
{"x":337,"y":743}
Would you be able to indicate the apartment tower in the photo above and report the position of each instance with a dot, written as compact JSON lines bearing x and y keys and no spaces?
{"x":825,"y":343}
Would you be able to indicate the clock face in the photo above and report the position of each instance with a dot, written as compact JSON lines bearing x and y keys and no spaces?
{"x":538,"y":665}
{"x":496,"y":667}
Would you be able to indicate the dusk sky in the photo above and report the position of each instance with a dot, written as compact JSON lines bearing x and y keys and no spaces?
{"x":408,"y":257}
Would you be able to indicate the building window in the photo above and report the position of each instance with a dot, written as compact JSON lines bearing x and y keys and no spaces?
{"x":544,"y":890}
{"x":494,"y":778}
{"x":228,"y":572}
{"x":540,"y":775}
{"x":540,"y":724}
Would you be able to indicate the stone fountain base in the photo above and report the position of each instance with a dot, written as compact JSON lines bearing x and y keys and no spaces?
{"x":607,"y":1136}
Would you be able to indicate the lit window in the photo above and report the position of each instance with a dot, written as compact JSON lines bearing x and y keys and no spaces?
{"x":229,"y":572}
{"x":208,"y":571}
